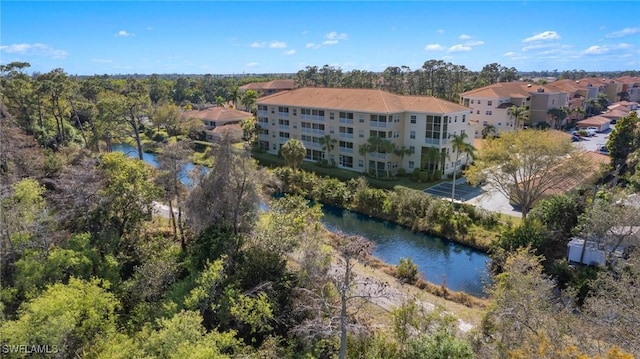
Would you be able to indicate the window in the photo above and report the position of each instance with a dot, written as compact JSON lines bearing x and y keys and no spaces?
{"x":282,"y":122}
{"x":488,"y":113}
{"x":413,"y":118}
{"x":412,"y":135}
{"x":396,"y":134}
{"x":477,"y":113}
{"x":463,"y":118}
{"x":346,"y":161}
{"x":361,"y":133}
{"x":499,"y":123}
{"x":412,"y":149}
{"x":262,"y":107}
{"x":331,"y":116}
{"x":361,"y":118}
{"x":472,"y":102}
{"x":295,"y":112}
{"x":282,"y":109}
{"x":485,"y":123}
{"x":489,"y":103}
{"x":284,"y":135}
{"x":360,"y":163}
{"x":478,"y":102}
{"x":412,"y":165}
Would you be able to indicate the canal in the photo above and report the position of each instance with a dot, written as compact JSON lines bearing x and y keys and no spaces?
{"x":462,"y":268}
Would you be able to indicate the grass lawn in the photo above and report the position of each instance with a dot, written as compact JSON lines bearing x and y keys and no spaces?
{"x":270,"y":160}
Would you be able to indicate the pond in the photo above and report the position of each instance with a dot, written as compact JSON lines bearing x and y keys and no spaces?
{"x":462,"y":268}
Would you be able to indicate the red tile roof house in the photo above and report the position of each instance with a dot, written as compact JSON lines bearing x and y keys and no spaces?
{"x":600,"y":122}
{"x":216,"y":117}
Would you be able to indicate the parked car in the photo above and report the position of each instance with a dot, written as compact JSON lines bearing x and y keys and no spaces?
{"x":603,"y":149}
{"x":591,"y":131}
{"x":575,"y":138}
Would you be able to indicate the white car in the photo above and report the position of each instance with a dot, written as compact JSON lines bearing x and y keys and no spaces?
{"x":591,"y":131}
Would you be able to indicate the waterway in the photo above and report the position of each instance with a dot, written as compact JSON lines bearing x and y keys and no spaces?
{"x":461,"y":268}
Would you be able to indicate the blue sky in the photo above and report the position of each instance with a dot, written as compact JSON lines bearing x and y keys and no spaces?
{"x":217,"y":37}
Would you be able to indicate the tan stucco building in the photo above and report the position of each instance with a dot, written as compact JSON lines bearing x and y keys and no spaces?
{"x":351,"y":116}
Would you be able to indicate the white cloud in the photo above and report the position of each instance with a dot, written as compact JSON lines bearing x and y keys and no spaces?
{"x":257,"y":45}
{"x":123,"y":33}
{"x":329,"y":42}
{"x":253,"y":64}
{"x":434,"y":47}
{"x":289,"y":52}
{"x":440,"y":31}
{"x":464,"y":37}
{"x":335,"y":36}
{"x":459,"y":48}
{"x":624,"y":32}
{"x":149,"y":28}
{"x":474,"y":43}
{"x":311,"y":45}
{"x":509,"y":54}
{"x":37,"y":49}
{"x":543,"y":36}
{"x":595,"y":50}
{"x":277,"y":45}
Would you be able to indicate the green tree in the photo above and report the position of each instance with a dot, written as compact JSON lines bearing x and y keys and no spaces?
{"x":624,"y":139}
{"x":459,"y":145}
{"x":69,"y":318}
{"x":128,"y":195}
{"x":489,"y":131}
{"x":519,"y":114}
{"x":328,"y":143}
{"x":522,"y":165}
{"x":167,"y":116}
{"x":557,"y":115}
{"x":248,"y":100}
{"x":294,"y":153}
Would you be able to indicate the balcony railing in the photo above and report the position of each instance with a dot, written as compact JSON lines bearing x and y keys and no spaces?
{"x":263,"y":112}
{"x":348,"y":121}
{"x":346,"y":135}
{"x":312,"y":117}
{"x":283,"y":114}
{"x":379,"y":124}
{"x":284,"y":127}
{"x":346,"y":150}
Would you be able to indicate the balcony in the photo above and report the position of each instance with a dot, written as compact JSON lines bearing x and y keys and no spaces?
{"x":312,"y":117}
{"x":284,"y":127}
{"x":345,"y":150}
{"x":348,"y":136}
{"x":317,"y":132}
{"x":379,"y":124}
{"x":380,"y":156}
{"x":263,"y":112}
{"x":348,"y":121}
{"x":283,"y":114}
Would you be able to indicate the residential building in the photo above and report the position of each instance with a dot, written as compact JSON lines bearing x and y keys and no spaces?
{"x":216,"y":117}
{"x":423,"y":125}
{"x":490,"y":104}
{"x":630,"y":85}
{"x":609,"y":87}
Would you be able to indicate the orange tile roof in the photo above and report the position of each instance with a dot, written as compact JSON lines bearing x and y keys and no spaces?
{"x":617,"y":113}
{"x":629,"y":80}
{"x":594,"y":121}
{"x":508,"y":89}
{"x":364,"y":100}
{"x":593,"y":160}
{"x":270,"y":85}
{"x":217,"y":114}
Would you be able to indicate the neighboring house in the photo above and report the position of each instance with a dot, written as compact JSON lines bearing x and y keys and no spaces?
{"x":630,"y":85}
{"x":215,"y":117}
{"x":626,"y":106}
{"x":422,"y":124}
{"x":490,"y":104}
{"x":599,"y":122}
{"x":268,"y":88}
{"x":610,"y":87}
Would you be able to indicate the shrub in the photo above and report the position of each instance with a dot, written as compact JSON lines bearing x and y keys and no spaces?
{"x":423,"y":176}
{"x":159,"y":137}
{"x":402,"y":172}
{"x":407,"y":270}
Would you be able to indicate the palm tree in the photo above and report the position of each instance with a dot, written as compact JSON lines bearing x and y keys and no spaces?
{"x":402,"y":151}
{"x":459,"y":145}
{"x":328,"y":144}
{"x":557,"y":114}
{"x":249,"y":100}
{"x":520,"y":114}
{"x":432,"y":158}
{"x":234,"y":95}
{"x":489,"y":131}
{"x":363,"y":150}
{"x":293,"y":152}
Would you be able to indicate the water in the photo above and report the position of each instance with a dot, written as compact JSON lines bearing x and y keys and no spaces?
{"x":463,"y":268}
{"x":150,"y":158}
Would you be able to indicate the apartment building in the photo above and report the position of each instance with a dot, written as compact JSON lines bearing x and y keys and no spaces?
{"x":421,"y":124}
{"x":216,"y":118}
{"x":490,"y":104}
{"x":268,"y":88}
{"x":630,"y":85}
{"x":610,"y":87}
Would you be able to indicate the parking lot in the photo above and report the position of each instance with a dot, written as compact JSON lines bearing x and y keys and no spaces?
{"x":464,"y":192}
{"x":593,"y":143}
